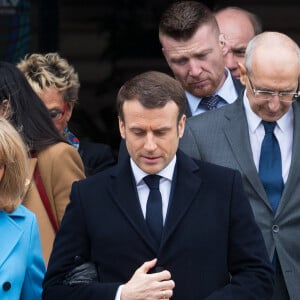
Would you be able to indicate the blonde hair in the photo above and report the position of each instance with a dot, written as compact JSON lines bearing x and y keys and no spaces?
{"x":50,"y":70}
{"x":14,"y":160}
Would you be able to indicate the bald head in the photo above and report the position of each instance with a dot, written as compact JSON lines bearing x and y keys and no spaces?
{"x":273,"y":49}
{"x":238,"y":27}
{"x":235,"y":15}
{"x":272,"y":67}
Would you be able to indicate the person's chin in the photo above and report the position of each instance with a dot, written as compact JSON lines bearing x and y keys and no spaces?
{"x":151,"y":165}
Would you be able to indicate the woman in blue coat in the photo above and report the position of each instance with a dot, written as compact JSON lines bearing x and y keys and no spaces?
{"x":21,"y":264}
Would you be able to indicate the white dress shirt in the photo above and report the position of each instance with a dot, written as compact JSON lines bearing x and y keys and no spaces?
{"x":283,"y":132}
{"x":164,"y":185}
{"x":143,"y":190}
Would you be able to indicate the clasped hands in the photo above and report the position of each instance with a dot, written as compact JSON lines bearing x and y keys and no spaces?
{"x":145,"y":286}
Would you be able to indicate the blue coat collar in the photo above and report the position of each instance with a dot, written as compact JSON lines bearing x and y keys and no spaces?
{"x":10,"y":232}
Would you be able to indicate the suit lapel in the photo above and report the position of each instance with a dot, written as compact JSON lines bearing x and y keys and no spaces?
{"x":293,"y":177}
{"x":238,"y":87}
{"x":125,"y":195}
{"x":188,"y":112}
{"x":236,"y":131}
{"x":184,"y":193}
{"x":10,"y":233}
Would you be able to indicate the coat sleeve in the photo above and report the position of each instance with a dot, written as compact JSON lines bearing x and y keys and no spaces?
{"x":72,"y":247}
{"x":60,"y":166}
{"x":35,"y":267}
{"x":249,"y":264}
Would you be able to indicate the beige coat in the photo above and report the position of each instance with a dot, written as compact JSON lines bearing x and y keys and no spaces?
{"x":59,"y":165}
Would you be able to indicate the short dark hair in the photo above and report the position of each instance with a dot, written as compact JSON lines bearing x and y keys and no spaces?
{"x":28,"y":114}
{"x":153,"y":90}
{"x":182,"y":19}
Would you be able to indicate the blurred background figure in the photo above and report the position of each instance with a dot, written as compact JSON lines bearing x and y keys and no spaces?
{"x":21,"y":263}
{"x":57,"y":84}
{"x":237,"y":26}
{"x":15,"y":29}
{"x":54,"y":164}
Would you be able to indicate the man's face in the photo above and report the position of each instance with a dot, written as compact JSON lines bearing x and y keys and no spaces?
{"x":280,"y":75}
{"x":236,"y":31}
{"x":151,"y":135}
{"x":60,"y":111}
{"x":196,"y":63}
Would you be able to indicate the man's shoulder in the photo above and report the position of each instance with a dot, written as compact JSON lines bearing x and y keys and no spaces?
{"x":204,"y":167}
{"x":93,"y":148}
{"x":95,"y":156}
{"x":217,"y":115}
{"x":97,"y":180}
{"x":209,"y":116}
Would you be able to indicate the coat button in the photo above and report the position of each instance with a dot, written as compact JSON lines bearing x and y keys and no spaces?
{"x":78,"y":260}
{"x":275,"y":228}
{"x":6,"y":286}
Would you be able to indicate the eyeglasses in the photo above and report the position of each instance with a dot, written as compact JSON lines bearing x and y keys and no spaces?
{"x":265,"y":95}
{"x":56,"y":114}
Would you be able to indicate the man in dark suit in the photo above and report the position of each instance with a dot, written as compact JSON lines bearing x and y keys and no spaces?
{"x":193,"y":48}
{"x":192,"y":236}
{"x":234,"y":137}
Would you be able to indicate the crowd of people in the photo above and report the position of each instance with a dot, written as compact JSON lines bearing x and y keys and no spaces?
{"x":202,"y":201}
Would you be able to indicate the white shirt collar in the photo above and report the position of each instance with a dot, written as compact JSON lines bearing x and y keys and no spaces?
{"x":227,"y":91}
{"x":167,"y":172}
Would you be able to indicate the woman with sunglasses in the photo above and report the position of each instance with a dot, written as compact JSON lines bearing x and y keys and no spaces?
{"x":57,"y":84}
{"x":54,"y":164}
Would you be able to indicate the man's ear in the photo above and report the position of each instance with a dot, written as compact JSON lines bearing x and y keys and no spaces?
{"x":243,"y":72}
{"x":163,"y":50}
{"x":222,"y":44}
{"x":121,"y":127}
{"x":181,"y":126}
{"x":69,"y":110}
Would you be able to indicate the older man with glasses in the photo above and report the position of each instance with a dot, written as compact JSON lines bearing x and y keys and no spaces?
{"x":259,"y":136}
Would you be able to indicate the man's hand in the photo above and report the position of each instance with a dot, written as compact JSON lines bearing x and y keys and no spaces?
{"x":143,"y":286}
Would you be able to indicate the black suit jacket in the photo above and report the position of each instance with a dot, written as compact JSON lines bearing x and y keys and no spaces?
{"x":209,"y":233}
{"x":95,"y":157}
{"x":238,"y":87}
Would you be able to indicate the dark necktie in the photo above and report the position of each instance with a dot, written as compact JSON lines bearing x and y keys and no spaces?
{"x":154,"y":217}
{"x":210,"y":102}
{"x":270,"y":170}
